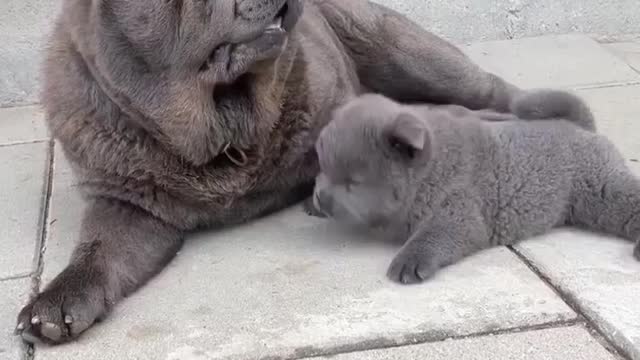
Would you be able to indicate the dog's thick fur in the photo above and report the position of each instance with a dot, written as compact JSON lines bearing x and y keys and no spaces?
{"x":448,"y":183}
{"x":183,"y":114}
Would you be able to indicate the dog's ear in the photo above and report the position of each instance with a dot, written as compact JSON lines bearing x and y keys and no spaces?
{"x":408,"y":136}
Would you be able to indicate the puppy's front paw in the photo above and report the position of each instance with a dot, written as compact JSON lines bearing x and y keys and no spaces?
{"x":411,"y":267}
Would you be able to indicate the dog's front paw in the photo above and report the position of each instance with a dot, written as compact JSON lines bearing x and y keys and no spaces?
{"x":61,"y":313}
{"x":412,"y":267}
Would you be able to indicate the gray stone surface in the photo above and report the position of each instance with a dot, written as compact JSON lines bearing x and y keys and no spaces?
{"x":292,"y":284}
{"x":461,"y":20}
{"x":24,"y":170}
{"x":558,"y":61}
{"x":22,"y":124}
{"x":627,"y":51}
{"x":617,"y":112}
{"x":573,"y":343}
{"x":464,"y":20}
{"x":601,"y":276}
{"x":24,"y":25}
{"x":65,"y":213}
{"x":13,"y":294}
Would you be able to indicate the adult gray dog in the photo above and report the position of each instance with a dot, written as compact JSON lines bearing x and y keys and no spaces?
{"x":183,"y":114}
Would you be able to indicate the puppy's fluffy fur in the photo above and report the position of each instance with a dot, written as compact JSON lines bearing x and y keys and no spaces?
{"x":449,"y":184}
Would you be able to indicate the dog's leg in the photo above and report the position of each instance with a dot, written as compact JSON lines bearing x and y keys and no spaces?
{"x":454,"y":232}
{"x":610,"y":205}
{"x":398,"y":58}
{"x":121,"y":247}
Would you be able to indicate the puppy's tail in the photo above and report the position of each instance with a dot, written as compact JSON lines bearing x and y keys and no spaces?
{"x":547,"y":104}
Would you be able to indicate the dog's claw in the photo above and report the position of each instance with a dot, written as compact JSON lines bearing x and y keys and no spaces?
{"x":51,"y":331}
{"x":21,"y":326}
{"x":68,"y":320}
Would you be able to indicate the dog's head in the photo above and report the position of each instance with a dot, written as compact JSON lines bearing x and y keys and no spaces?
{"x":212,"y":62}
{"x":368,"y":155}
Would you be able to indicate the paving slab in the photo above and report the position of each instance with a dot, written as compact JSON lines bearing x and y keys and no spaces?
{"x":601,"y":277}
{"x":14,"y":294}
{"x":617,"y":113}
{"x":22,"y":124}
{"x":65,"y":213}
{"x":571,"y":343}
{"x":289,"y":285}
{"x":629,"y":52}
{"x":24,"y":168}
{"x":563,"y":61}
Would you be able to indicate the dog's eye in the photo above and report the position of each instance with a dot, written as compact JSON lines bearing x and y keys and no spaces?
{"x":402,"y":148}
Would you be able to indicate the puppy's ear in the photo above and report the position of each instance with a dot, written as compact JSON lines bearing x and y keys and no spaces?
{"x":409,"y":137}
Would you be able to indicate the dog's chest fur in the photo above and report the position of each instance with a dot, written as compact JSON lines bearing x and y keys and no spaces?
{"x":126,"y":163}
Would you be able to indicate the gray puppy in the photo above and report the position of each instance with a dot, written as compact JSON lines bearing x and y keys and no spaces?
{"x":179,"y":115}
{"x":448,"y":184}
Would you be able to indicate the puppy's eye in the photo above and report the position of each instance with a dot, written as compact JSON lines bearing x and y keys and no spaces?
{"x":402,"y":148}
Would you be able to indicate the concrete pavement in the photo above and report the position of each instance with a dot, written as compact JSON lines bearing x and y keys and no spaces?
{"x":291,"y":287}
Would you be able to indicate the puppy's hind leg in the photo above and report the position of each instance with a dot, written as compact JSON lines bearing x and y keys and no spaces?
{"x":611,"y":206}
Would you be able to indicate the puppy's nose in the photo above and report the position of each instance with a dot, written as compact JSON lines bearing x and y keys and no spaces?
{"x":322,"y":202}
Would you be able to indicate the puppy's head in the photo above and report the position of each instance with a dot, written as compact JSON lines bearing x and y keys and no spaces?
{"x":180,"y":60}
{"x":368,"y":154}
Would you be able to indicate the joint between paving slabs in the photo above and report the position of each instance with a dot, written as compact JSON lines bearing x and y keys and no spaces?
{"x":417,"y":339}
{"x":17,"y":277}
{"x":606,"y":85}
{"x":614,"y":38}
{"x":28,"y":351}
{"x":38,"y":258}
{"x":637,"y":70}
{"x":23,"y":142}
{"x":596,"y":332}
